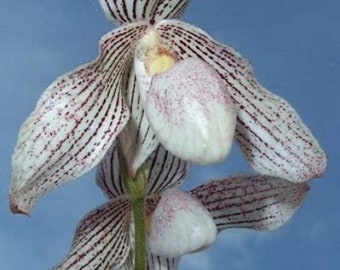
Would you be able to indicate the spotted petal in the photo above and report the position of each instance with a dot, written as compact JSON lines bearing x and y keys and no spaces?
{"x":101,"y":239}
{"x":123,"y":12}
{"x":251,"y":201}
{"x":165,"y":171}
{"x":269,"y":131}
{"x":191,"y":112}
{"x":180,"y":225}
{"x":74,"y":123}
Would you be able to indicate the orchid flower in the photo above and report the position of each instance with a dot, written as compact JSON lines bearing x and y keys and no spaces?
{"x":178,"y":222}
{"x":158,"y":80}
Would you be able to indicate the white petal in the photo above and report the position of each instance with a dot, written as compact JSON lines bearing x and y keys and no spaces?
{"x":101,"y":240}
{"x":109,"y":177}
{"x":256,"y":202}
{"x":162,"y":263}
{"x":142,"y":76}
{"x":137,"y":138}
{"x":122,"y":11}
{"x":170,"y":9}
{"x":129,"y":263}
{"x":191,"y":112}
{"x":165,"y":171}
{"x":269,"y":131}
{"x":74,"y":123}
{"x":180,"y":225}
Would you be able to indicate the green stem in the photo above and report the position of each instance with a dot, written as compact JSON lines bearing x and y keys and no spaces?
{"x":138,"y":214}
{"x":136,"y":188}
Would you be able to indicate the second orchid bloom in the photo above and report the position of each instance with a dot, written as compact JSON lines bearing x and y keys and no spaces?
{"x":179,"y":223}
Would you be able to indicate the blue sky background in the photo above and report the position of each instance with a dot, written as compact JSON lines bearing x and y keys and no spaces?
{"x":294,"y":46}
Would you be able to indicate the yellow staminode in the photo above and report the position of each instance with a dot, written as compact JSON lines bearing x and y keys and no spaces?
{"x":148,"y":222}
{"x":157,"y":57}
{"x":160,"y":62}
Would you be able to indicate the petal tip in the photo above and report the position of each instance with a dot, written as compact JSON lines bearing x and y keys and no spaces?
{"x":316,"y":168}
{"x":16,"y":208}
{"x":301,"y":190}
{"x":322,"y":165}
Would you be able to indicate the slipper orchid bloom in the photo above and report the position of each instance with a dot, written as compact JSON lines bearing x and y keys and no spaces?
{"x":157,"y":80}
{"x":177,"y":223}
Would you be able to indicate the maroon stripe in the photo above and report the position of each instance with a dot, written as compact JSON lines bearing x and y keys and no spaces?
{"x":118,"y":219}
{"x":198,"y":45}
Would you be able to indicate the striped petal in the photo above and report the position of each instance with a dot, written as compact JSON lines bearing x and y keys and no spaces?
{"x":74,"y":123}
{"x":109,"y":177}
{"x":251,"y":201}
{"x":129,"y":263}
{"x":137,"y":138}
{"x":162,"y":263}
{"x":123,"y":12}
{"x":165,"y":171}
{"x":101,"y":240}
{"x":180,"y":225}
{"x":269,"y":131}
